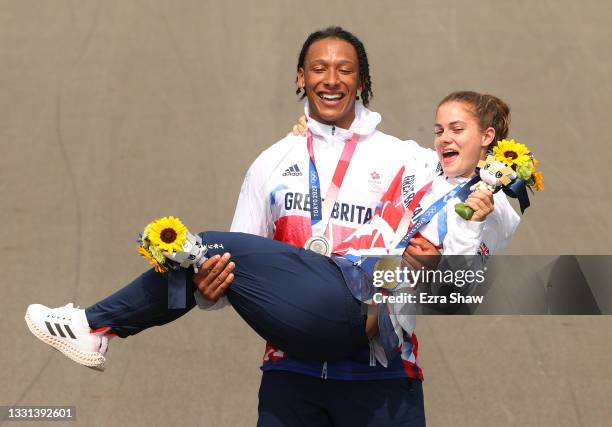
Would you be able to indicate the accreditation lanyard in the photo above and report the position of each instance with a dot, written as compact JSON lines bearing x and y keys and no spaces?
{"x":461,"y":191}
{"x":318,"y":209}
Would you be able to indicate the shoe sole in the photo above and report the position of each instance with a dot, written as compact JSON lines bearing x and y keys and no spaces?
{"x":92,"y":360}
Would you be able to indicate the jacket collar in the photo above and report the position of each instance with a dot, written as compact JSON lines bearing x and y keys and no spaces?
{"x":456,"y":180}
{"x":365,"y":123}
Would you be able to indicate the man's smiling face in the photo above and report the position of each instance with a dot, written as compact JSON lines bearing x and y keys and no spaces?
{"x":330,"y":77}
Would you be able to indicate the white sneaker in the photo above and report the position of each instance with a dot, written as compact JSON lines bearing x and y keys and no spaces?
{"x":66,"y":329}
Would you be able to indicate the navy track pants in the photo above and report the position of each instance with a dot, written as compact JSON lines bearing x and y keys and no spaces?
{"x":293,"y":298}
{"x":289,"y":399}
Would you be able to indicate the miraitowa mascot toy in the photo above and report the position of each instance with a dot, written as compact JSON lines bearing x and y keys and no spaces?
{"x":192,"y":254}
{"x":494,"y":176}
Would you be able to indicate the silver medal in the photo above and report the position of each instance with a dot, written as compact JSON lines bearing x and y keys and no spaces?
{"x":319,"y":244}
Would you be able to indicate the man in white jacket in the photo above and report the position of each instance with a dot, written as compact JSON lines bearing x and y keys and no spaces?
{"x":276,"y":200}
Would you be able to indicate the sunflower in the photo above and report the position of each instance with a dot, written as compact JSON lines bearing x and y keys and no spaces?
{"x":539,"y":181}
{"x":167,"y":233}
{"x":156,"y":264}
{"x":511,"y":152}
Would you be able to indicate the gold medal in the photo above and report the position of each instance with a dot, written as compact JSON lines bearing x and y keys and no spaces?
{"x":388,"y":263}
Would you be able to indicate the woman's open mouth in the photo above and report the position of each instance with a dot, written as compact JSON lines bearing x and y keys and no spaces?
{"x":449,"y":155}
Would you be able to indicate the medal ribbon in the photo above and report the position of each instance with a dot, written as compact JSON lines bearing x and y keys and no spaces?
{"x":316,"y":207}
{"x":406,"y":220}
{"x":461,"y":191}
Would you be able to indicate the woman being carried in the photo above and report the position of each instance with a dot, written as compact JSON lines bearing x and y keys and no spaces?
{"x":277,"y":287}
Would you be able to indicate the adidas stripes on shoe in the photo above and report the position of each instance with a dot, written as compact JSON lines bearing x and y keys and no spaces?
{"x":66,"y":329}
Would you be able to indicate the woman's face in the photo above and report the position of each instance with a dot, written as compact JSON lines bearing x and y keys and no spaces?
{"x":459,"y":141}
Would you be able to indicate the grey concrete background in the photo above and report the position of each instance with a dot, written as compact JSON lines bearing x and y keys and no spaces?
{"x":114,"y":112}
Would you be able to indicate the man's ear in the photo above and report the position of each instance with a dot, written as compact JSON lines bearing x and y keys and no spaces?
{"x":299,"y":80}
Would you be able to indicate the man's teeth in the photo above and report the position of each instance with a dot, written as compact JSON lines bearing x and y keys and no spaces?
{"x":449,"y":153}
{"x":331,"y":97}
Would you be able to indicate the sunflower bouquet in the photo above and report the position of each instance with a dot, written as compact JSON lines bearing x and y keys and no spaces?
{"x":512,"y":168}
{"x":521,"y":160}
{"x":166,"y":243}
